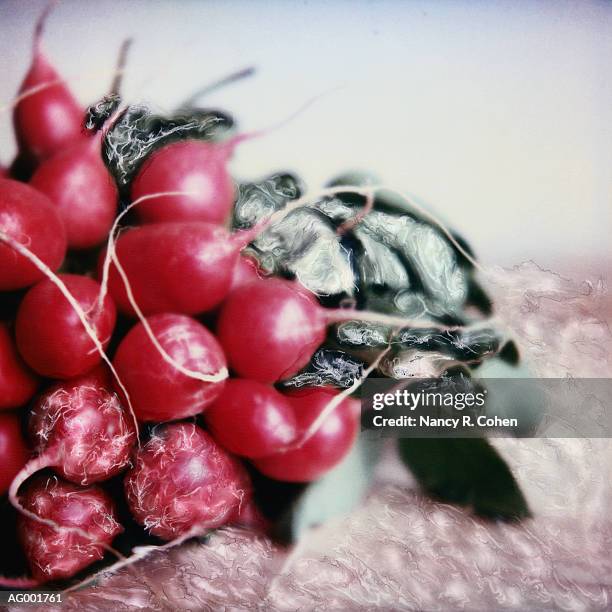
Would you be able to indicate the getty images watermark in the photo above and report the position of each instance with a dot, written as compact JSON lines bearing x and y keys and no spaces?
{"x":461,"y":407}
{"x":413,"y":401}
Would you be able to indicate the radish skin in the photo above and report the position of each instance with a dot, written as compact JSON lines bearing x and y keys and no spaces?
{"x":194,"y":166}
{"x":82,"y":526}
{"x":51,"y":339}
{"x":160,"y":391}
{"x":184,"y":483}
{"x":83,"y":191}
{"x":251,"y":419}
{"x":29,"y":218}
{"x":325,"y":448}
{"x":83,"y":425}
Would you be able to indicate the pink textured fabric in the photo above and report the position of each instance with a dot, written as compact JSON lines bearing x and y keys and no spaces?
{"x":402,"y":551}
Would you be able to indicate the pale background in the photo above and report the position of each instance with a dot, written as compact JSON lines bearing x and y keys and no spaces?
{"x":498,"y":114}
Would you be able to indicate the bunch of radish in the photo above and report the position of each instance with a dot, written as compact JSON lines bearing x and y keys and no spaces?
{"x":160,"y":363}
{"x":74,"y":414}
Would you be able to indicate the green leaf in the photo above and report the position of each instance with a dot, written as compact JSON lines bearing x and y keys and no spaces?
{"x":468,"y":472}
{"x":339,"y":491}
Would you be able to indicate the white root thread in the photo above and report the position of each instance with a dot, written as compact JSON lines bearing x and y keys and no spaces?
{"x":110,"y":245}
{"x":222,"y":374}
{"x":35,"y":465}
{"x":349,"y":224}
{"x":338,"y":315}
{"x":232,"y":143}
{"x":91,"y":332}
{"x":111,"y":256}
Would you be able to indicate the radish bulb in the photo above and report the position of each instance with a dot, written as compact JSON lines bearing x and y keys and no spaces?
{"x":82,"y":428}
{"x":54,"y":553}
{"x":51,"y":118}
{"x":51,"y":337}
{"x":183,"y":482}
{"x":326,"y":447}
{"x":84,"y":193}
{"x":178,"y":381}
{"x":184,"y":267}
{"x":195,"y":166}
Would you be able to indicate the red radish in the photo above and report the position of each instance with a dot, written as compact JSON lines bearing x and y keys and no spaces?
{"x":48,"y":117}
{"x":251,"y":419}
{"x":178,"y":381}
{"x":195,"y":166}
{"x":54,"y":553}
{"x":269,"y":329}
{"x":28,"y":217}
{"x":183,"y":482}
{"x":183,"y":267}
{"x":78,"y":183}
{"x":322,"y":450}
{"x":50,"y":335}
{"x":17,"y":383}
{"x":81,"y":430}
{"x":14,"y":453}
